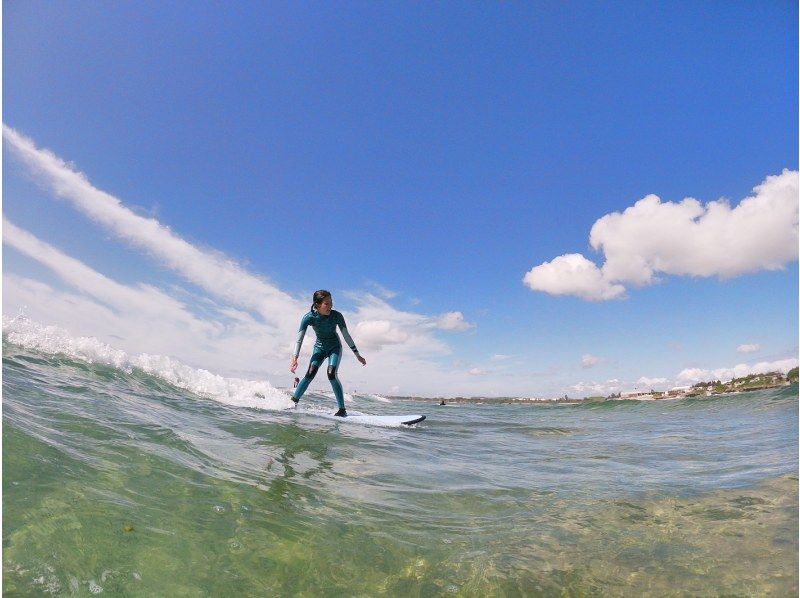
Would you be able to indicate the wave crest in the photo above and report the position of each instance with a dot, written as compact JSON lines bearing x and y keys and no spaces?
{"x":51,"y":340}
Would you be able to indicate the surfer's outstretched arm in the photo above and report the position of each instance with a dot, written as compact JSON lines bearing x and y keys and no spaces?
{"x":300,"y":336}
{"x":349,"y":339}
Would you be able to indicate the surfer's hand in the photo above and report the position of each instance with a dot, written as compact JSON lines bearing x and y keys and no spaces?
{"x":293,"y":365}
{"x":362,"y":360}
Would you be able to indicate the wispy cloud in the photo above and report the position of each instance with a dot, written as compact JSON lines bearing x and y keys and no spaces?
{"x":144,"y":300}
{"x":588,"y":360}
{"x":645,"y":381}
{"x":682,"y":239}
{"x":143,"y":318}
{"x":751,"y":348}
{"x":453,"y":320}
{"x":500,"y":357}
{"x":477,"y":372}
{"x":208,"y":269}
{"x":382,"y":291}
{"x":223,"y":348}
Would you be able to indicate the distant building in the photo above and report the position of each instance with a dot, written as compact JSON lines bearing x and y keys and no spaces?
{"x":636,"y":394}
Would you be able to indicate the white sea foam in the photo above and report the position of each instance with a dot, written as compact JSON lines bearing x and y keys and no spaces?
{"x":52,"y":340}
{"x":380,"y":398}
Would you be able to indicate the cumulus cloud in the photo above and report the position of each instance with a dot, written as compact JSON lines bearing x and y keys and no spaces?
{"x":685,"y":238}
{"x":691,"y":375}
{"x":573,"y":274}
{"x":588,"y":360}
{"x":384,"y":325}
{"x":377,"y":333}
{"x":409,"y":328}
{"x":748,"y":348}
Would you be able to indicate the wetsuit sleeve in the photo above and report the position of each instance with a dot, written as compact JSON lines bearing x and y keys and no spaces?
{"x":347,"y":338}
{"x":301,"y":334}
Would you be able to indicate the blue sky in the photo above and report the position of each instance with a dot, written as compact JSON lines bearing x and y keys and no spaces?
{"x":418,"y":160}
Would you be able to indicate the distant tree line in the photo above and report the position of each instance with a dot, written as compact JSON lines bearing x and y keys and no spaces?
{"x":751,"y":380}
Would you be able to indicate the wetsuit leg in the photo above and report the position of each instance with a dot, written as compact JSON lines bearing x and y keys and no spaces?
{"x":333,"y":364}
{"x":316,"y":360}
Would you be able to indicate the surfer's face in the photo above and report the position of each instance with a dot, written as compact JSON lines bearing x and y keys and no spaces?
{"x":325,"y":307}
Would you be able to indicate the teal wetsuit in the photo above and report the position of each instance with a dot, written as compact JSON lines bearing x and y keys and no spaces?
{"x":328,"y":346}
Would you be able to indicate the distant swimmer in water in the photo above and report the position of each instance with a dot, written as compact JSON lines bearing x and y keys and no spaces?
{"x":442,"y":403}
{"x":324,"y":320}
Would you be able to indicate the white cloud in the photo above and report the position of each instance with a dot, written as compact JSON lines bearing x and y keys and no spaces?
{"x":410,"y":333}
{"x":691,"y":375}
{"x":453,"y":320}
{"x":682,"y":239}
{"x":695,"y":375}
{"x":500,"y":357}
{"x":598,"y":388}
{"x":748,"y":348}
{"x":382,"y":291}
{"x":573,"y":274}
{"x":645,"y":381}
{"x":210,"y":270}
{"x":210,"y":344}
{"x":378,"y":333}
{"x":477,"y":372}
{"x":143,"y":300}
{"x":588,"y":360}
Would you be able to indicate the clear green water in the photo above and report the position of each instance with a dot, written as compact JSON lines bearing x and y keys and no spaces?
{"x":119,"y":483}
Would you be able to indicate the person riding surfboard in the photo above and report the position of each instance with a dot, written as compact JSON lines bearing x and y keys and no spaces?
{"x":324,"y":320}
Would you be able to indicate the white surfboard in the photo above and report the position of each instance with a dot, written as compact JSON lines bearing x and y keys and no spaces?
{"x":356,"y":417}
{"x":376,"y":420}
{"x":365,"y":419}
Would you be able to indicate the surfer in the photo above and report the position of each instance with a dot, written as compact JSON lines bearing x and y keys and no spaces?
{"x":324,"y":320}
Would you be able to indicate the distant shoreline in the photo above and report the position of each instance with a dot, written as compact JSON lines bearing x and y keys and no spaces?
{"x":703,"y":389}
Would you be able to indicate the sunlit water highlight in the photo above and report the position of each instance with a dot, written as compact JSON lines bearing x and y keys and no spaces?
{"x":118,"y":481}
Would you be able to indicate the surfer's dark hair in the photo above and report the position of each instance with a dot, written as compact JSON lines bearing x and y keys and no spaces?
{"x":319,"y":297}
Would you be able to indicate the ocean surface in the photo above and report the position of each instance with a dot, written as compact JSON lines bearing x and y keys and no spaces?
{"x":139,"y":476}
